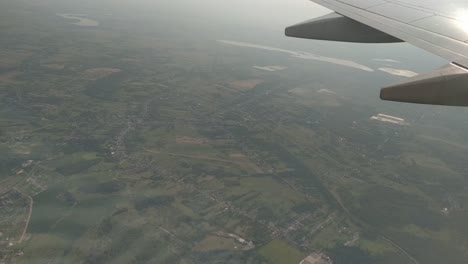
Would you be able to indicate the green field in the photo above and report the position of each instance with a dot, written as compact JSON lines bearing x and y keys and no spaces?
{"x":142,"y":144}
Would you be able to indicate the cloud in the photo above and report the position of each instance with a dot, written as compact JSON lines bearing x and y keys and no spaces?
{"x":387,"y":60}
{"x":398,"y":72}
{"x":270,"y":68}
{"x":301,"y":55}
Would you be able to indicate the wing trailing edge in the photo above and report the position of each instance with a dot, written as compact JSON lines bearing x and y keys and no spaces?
{"x":446,"y":86}
{"x":335,"y":27}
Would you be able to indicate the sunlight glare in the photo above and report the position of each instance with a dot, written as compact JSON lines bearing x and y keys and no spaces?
{"x":462,"y":17}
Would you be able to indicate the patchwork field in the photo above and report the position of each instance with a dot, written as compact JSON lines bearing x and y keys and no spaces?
{"x":123,"y":143}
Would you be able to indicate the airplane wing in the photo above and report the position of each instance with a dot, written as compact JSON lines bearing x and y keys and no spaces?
{"x":440,"y":27}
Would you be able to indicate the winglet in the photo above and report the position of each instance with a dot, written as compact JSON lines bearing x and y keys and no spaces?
{"x":336,"y":27}
{"x":446,"y":86}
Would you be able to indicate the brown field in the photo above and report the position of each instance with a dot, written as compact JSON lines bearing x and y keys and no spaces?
{"x":243,"y":85}
{"x":98,"y":73}
{"x":316,"y":258}
{"x":12,"y":59}
{"x":236,"y":155}
{"x":190,"y":140}
{"x":54,"y":66}
{"x":9,"y":76}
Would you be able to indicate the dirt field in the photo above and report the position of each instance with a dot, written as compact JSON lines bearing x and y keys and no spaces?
{"x":236,"y":155}
{"x":244,"y":85}
{"x":316,"y":258}
{"x":9,"y":76}
{"x":12,"y":59}
{"x":190,"y":140}
{"x":98,"y":73}
{"x":54,"y":66}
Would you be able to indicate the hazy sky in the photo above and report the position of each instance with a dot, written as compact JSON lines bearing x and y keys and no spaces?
{"x":255,"y":21}
{"x":271,"y":14}
{"x":274,"y":12}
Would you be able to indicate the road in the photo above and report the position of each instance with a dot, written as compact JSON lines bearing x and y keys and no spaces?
{"x":31,"y":203}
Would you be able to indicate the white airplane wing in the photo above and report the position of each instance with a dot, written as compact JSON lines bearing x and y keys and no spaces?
{"x":440,"y":27}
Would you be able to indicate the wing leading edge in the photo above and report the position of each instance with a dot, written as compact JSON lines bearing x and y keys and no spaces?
{"x":385,"y":21}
